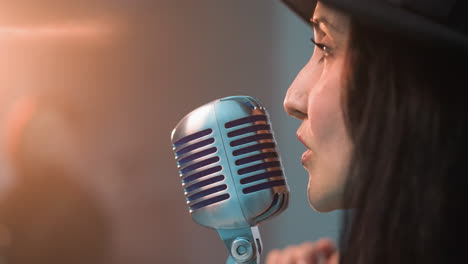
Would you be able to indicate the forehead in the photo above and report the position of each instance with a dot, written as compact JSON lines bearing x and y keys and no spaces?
{"x":331,"y":18}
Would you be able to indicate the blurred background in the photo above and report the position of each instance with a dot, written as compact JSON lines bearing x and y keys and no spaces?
{"x":89,"y":93}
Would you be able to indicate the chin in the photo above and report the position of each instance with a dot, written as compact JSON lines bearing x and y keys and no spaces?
{"x":323,"y":203}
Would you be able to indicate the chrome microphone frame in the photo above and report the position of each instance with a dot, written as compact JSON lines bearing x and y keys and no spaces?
{"x":231,"y":172}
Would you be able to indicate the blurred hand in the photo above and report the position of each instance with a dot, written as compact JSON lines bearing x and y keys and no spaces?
{"x":320,"y":252}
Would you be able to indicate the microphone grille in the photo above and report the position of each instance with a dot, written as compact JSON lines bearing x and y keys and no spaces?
{"x":254,"y":153}
{"x":258,"y":165}
{"x":228,"y":163}
{"x":196,"y":159}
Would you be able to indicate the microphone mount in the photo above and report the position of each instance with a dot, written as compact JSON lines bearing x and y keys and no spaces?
{"x":243,"y":244}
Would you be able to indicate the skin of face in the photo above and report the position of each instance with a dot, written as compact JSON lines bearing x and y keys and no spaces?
{"x":315,"y":98}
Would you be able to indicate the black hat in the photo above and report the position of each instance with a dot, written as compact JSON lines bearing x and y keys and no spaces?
{"x":444,"y":21}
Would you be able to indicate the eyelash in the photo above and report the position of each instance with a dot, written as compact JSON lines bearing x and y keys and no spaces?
{"x":326,"y":50}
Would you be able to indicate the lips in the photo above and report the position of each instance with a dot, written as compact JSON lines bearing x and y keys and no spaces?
{"x":307,"y":153}
{"x":302,"y":141}
{"x":305,"y":156}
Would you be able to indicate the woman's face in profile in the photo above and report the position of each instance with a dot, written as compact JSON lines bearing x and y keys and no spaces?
{"x":314,"y":97}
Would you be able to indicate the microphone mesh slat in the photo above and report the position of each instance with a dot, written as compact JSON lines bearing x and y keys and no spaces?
{"x":248,"y":129}
{"x":261,"y":166}
{"x":195,"y":146}
{"x":245,"y":120}
{"x":199,"y":164}
{"x":264,"y":186}
{"x":249,"y":139}
{"x":261,"y":176}
{"x":192,"y":137}
{"x":204,"y":183}
{"x":210,"y":201}
{"x":200,"y":174}
{"x":268,"y":145}
{"x":261,"y":156}
{"x":206,"y":192}
{"x":197,"y":155}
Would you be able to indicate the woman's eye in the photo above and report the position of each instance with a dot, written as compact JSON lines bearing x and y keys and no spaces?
{"x":326,"y":50}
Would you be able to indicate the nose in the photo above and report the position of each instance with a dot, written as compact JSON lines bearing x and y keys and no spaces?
{"x":295,"y":101}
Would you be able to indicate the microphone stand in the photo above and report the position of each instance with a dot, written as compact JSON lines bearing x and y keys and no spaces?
{"x":243,"y":244}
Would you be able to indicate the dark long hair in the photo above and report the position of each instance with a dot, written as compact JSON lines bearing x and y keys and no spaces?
{"x":407,"y":115}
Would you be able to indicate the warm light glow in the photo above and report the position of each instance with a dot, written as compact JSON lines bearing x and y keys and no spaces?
{"x":17,"y":119}
{"x":78,"y":30}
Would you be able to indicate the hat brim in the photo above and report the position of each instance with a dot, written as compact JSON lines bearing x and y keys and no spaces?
{"x":303,"y":8}
{"x":388,"y":17}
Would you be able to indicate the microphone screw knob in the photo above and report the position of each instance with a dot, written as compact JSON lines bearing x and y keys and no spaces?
{"x":242,"y":250}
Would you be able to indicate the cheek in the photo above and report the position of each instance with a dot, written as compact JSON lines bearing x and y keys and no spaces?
{"x":324,"y":111}
{"x":329,"y":164}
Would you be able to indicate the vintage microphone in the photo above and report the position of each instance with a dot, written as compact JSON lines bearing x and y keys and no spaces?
{"x":231,"y":172}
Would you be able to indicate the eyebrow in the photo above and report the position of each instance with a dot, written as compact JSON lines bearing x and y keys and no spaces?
{"x":316,"y":22}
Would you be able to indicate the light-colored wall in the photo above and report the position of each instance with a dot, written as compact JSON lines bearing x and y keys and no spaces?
{"x":120,"y":74}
